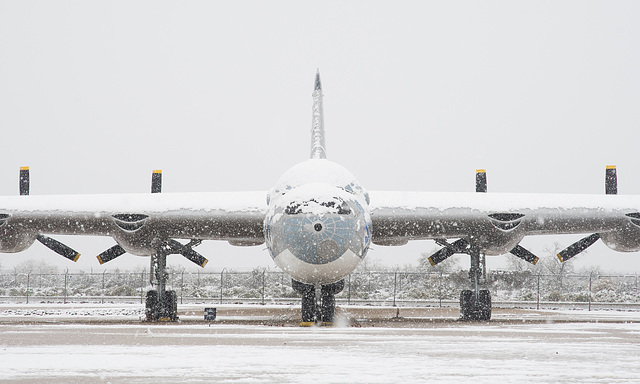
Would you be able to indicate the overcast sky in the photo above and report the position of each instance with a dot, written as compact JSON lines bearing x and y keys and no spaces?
{"x":95,"y":95}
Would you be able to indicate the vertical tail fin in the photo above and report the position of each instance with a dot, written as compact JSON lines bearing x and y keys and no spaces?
{"x":317,"y":123}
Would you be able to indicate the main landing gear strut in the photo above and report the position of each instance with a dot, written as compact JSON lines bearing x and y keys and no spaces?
{"x":318,"y":302}
{"x":161,"y":305}
{"x":475,"y":304}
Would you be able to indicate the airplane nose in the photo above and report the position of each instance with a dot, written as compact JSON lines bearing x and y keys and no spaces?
{"x":318,"y":240}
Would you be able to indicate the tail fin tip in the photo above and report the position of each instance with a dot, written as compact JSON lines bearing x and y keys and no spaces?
{"x":318,"y":84}
{"x":317,"y":125}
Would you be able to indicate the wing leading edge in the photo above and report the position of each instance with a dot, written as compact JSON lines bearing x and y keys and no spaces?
{"x":497,"y":222}
{"x":138,"y":222}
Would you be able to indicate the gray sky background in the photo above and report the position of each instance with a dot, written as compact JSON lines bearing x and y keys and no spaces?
{"x":95,"y":95}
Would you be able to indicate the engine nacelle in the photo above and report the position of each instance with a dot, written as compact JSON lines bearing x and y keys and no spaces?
{"x":501,"y":245}
{"x":133,"y":235}
{"x":14,"y":239}
{"x":626,"y":239}
{"x":135,"y":244}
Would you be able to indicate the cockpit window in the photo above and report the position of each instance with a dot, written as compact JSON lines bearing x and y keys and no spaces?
{"x":338,"y":205}
{"x":293,"y":209}
{"x":343,"y":209}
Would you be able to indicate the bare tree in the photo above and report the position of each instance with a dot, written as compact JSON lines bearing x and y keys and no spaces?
{"x":451,"y":264}
{"x":35,"y":266}
{"x":557,"y":271}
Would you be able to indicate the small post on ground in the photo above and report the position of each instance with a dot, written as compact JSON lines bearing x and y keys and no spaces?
{"x":209,"y":314}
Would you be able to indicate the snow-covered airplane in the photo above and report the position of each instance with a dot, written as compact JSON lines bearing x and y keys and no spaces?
{"x":318,"y":223}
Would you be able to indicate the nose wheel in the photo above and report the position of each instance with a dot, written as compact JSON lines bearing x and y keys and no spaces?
{"x":318,"y":302}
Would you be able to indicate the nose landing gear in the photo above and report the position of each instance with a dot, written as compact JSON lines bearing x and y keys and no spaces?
{"x":318,"y":303}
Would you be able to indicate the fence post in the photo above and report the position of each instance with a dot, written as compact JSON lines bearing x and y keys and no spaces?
{"x":538,"y":300}
{"x":65,"y":286}
{"x":349,"y":291}
{"x":395,"y":284}
{"x":102,"y":298}
{"x":440,"y":290}
{"x":264,"y":271}
{"x":590,"y":274}
{"x":181,"y":286}
{"x":141,"y":285}
{"x":221,"y":282}
{"x":28,"y":277}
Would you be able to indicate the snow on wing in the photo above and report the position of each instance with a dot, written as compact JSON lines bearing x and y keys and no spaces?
{"x":135,"y":219}
{"x":497,"y":222}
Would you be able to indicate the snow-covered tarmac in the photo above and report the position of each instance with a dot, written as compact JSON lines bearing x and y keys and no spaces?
{"x":107,"y":344}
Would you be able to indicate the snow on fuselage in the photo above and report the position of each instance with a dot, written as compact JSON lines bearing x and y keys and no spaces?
{"x":318,"y":225}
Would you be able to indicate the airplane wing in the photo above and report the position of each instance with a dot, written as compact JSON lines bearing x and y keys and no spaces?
{"x":497,"y":222}
{"x":138,"y":222}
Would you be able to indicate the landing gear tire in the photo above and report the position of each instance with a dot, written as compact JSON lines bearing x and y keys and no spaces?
{"x":161,"y":310}
{"x":485,"y":304}
{"x":312,"y":313}
{"x":308,"y":301}
{"x":170,"y":306}
{"x":151,"y":305}
{"x":472,"y":310}
{"x":328,"y":306}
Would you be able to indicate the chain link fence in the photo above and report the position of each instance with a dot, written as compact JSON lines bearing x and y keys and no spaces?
{"x":363,"y":288}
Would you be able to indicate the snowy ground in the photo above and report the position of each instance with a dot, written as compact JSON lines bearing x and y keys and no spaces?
{"x":105,"y":344}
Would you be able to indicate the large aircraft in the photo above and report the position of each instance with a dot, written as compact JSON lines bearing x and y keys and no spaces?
{"x":318,"y":223}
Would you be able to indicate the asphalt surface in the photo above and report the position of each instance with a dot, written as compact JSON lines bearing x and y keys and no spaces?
{"x":55,"y":343}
